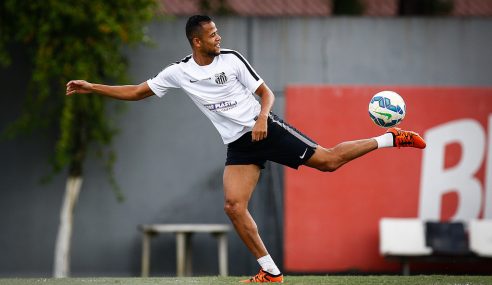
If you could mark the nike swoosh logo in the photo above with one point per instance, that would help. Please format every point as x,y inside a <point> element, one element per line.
<point>195,81</point>
<point>302,156</point>
<point>384,114</point>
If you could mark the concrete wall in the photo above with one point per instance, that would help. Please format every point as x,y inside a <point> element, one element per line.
<point>170,158</point>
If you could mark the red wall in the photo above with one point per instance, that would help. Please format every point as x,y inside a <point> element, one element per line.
<point>331,219</point>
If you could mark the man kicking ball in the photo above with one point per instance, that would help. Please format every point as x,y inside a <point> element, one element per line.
<point>221,83</point>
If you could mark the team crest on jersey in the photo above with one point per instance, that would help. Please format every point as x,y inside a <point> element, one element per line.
<point>220,78</point>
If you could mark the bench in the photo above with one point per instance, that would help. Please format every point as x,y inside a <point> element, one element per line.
<point>409,239</point>
<point>183,233</point>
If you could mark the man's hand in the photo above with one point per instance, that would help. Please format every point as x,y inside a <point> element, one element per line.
<point>260,128</point>
<point>78,86</point>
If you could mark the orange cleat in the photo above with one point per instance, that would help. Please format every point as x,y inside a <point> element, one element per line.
<point>402,138</point>
<point>265,277</point>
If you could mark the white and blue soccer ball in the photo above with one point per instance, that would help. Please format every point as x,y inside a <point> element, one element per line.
<point>387,109</point>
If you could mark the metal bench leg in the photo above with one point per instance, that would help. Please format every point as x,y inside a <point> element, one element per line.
<point>222,245</point>
<point>183,254</point>
<point>405,264</point>
<point>145,254</point>
<point>180,254</point>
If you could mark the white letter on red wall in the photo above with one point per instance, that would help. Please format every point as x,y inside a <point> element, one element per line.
<point>437,181</point>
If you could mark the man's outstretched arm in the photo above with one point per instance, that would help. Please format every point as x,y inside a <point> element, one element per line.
<point>124,92</point>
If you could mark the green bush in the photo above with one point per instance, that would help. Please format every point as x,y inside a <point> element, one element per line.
<point>71,40</point>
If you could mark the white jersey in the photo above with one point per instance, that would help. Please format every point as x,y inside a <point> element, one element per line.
<point>222,90</point>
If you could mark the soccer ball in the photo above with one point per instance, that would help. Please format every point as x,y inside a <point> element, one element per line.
<point>387,109</point>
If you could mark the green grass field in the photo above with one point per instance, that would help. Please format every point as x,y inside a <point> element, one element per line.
<point>330,280</point>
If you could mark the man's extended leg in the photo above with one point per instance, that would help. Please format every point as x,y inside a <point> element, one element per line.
<point>330,159</point>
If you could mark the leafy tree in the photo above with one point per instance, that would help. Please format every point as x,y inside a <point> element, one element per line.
<point>70,40</point>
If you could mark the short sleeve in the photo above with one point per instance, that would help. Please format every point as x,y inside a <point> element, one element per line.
<point>246,74</point>
<point>166,79</point>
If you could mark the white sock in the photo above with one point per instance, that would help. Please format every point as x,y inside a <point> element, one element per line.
<point>385,140</point>
<point>267,264</point>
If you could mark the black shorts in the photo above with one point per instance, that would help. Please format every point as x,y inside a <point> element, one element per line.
<point>283,144</point>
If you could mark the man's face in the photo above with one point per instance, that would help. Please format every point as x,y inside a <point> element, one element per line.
<point>210,39</point>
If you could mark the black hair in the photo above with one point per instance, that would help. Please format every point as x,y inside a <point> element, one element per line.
<point>193,26</point>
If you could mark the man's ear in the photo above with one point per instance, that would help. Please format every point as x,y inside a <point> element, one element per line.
<point>196,42</point>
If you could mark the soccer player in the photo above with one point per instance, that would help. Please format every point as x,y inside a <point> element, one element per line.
<point>221,83</point>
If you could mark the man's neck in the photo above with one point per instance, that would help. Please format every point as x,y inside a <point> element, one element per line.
<point>202,59</point>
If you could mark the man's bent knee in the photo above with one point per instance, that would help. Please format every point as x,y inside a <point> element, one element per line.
<point>327,167</point>
<point>324,160</point>
<point>233,209</point>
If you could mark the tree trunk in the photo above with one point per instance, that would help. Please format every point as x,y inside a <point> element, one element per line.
<point>63,239</point>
